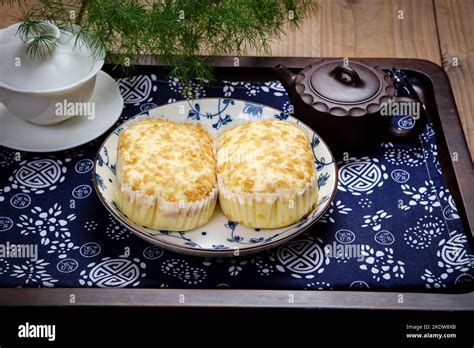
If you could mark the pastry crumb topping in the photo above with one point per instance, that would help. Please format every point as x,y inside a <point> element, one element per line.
<point>174,160</point>
<point>264,156</point>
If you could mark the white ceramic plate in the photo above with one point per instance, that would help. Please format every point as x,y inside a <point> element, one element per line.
<point>24,136</point>
<point>219,237</point>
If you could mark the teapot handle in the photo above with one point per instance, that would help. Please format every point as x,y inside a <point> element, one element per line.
<point>419,122</point>
<point>341,72</point>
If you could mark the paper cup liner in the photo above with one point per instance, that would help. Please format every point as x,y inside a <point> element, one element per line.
<point>154,211</point>
<point>268,210</point>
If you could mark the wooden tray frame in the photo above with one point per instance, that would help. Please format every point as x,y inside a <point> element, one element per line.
<point>458,174</point>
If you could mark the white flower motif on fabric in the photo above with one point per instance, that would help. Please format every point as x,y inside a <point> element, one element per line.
<point>426,229</point>
<point>228,90</point>
<point>38,176</point>
<point>90,225</point>
<point>210,261</point>
<point>433,281</point>
<point>362,175</point>
<point>3,191</point>
<point>288,108</point>
<point>252,90</point>
<point>450,214</point>
<point>48,224</point>
<point>334,208</point>
<point>426,196</point>
<point>236,266</point>
<point>273,87</point>
<point>450,211</point>
<point>181,270</point>
<point>452,252</point>
<point>113,273</point>
<point>115,230</point>
<point>412,157</point>
<point>428,133</point>
<point>365,202</point>
<point>432,152</point>
<point>196,89</point>
<point>62,247</point>
<point>7,158</point>
<point>386,145</point>
<point>375,221</point>
<point>4,266</point>
<point>264,268</point>
<point>382,264</point>
<point>34,273</point>
<point>318,286</point>
<point>303,258</point>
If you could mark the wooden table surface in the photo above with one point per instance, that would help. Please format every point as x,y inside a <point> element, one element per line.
<point>441,31</point>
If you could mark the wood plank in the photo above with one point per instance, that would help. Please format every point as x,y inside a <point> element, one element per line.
<point>237,299</point>
<point>368,28</point>
<point>376,28</point>
<point>8,15</point>
<point>456,29</point>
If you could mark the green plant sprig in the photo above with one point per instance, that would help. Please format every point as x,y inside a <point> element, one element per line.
<point>41,46</point>
<point>177,32</point>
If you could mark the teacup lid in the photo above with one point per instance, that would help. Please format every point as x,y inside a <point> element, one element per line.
<point>352,89</point>
<point>65,66</point>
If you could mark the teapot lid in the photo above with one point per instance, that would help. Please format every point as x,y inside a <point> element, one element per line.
<point>352,89</point>
<point>67,64</point>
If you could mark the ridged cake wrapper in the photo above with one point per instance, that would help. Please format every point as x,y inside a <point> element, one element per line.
<point>154,211</point>
<point>268,210</point>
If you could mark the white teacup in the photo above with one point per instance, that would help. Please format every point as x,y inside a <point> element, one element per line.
<point>38,90</point>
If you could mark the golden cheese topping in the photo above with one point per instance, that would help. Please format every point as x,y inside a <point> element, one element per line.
<point>173,160</point>
<point>264,156</point>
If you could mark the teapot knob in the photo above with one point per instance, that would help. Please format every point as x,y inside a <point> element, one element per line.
<point>346,75</point>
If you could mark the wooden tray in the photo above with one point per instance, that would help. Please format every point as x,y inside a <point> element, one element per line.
<point>432,84</point>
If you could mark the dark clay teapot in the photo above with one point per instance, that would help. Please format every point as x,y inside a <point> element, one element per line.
<point>348,105</point>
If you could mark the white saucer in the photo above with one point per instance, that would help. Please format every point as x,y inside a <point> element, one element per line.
<point>24,136</point>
